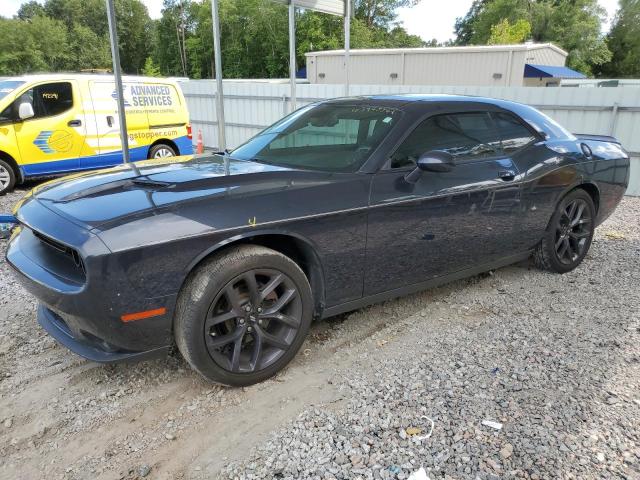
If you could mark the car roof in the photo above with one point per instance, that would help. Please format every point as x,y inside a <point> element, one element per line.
<point>536,119</point>
<point>400,99</point>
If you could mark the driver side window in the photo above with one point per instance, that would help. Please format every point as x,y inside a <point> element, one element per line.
<point>466,136</point>
<point>47,100</point>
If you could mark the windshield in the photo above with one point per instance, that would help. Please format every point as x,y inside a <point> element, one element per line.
<point>8,86</point>
<point>325,137</point>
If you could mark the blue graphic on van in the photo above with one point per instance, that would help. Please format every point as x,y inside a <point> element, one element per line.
<point>42,141</point>
<point>115,97</point>
<point>50,141</point>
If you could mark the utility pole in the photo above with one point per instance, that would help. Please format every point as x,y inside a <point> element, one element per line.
<point>292,52</point>
<point>115,57</point>
<point>217,53</point>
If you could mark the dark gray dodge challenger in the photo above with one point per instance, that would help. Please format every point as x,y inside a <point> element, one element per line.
<point>341,204</point>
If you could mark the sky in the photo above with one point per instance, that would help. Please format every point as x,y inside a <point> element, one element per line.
<point>435,18</point>
<point>429,19</point>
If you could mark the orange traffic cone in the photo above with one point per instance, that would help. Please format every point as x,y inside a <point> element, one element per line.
<point>199,144</point>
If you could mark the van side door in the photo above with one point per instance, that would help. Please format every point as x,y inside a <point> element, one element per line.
<point>106,136</point>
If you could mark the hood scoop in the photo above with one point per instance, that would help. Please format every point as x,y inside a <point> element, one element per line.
<point>147,182</point>
<point>137,183</point>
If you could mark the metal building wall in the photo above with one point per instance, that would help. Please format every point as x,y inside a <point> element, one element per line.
<point>364,69</point>
<point>480,66</point>
<point>545,56</point>
<point>251,106</point>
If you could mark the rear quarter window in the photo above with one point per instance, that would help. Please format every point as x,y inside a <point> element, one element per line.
<point>513,133</point>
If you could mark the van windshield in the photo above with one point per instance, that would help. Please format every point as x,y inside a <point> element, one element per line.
<point>8,86</point>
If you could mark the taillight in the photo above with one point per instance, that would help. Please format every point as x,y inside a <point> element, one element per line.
<point>189,134</point>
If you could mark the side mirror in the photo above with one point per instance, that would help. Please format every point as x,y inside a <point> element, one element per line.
<point>436,161</point>
<point>433,161</point>
<point>25,111</point>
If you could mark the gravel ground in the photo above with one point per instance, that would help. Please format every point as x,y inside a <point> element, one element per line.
<point>553,361</point>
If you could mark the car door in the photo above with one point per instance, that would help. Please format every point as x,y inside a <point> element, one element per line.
<point>445,221</point>
<point>52,140</point>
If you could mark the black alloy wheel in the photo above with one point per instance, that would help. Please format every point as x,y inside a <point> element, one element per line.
<point>253,320</point>
<point>573,230</point>
<point>243,314</point>
<point>569,233</point>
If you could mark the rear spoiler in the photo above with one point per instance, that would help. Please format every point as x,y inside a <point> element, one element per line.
<point>597,138</point>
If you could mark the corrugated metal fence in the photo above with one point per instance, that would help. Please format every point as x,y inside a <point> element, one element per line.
<point>251,106</point>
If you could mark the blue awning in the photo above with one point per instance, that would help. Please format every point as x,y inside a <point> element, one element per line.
<point>546,71</point>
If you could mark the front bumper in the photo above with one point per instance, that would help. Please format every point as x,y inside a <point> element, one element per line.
<point>92,349</point>
<point>83,302</point>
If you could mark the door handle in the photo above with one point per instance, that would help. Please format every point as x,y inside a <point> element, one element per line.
<point>507,175</point>
<point>110,120</point>
<point>74,123</point>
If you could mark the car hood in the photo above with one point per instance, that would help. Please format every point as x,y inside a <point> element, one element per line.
<point>93,199</point>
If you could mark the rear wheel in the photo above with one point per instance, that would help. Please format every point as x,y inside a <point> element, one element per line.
<point>569,234</point>
<point>162,150</point>
<point>243,315</point>
<point>7,177</point>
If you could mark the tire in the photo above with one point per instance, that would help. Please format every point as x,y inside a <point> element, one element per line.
<point>162,150</point>
<point>7,177</point>
<point>233,335</point>
<point>569,233</point>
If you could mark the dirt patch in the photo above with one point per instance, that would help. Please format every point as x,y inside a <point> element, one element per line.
<point>64,417</point>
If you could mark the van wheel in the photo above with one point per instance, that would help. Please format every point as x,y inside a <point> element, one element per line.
<point>7,177</point>
<point>162,150</point>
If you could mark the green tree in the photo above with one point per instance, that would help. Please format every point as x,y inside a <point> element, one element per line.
<point>573,25</point>
<point>19,52</point>
<point>134,26</point>
<point>37,45</point>
<point>150,69</point>
<point>624,42</point>
<point>134,32</point>
<point>380,13</point>
<point>73,35</point>
<point>255,36</point>
<point>88,13</point>
<point>87,49</point>
<point>50,36</point>
<point>503,33</point>
<point>29,10</point>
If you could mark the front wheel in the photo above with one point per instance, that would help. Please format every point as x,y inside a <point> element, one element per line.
<point>7,177</point>
<point>569,234</point>
<point>243,315</point>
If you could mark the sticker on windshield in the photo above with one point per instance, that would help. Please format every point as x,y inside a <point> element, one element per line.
<point>374,109</point>
<point>386,119</point>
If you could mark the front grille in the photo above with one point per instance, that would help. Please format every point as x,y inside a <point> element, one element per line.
<point>61,248</point>
<point>54,256</point>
